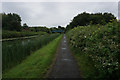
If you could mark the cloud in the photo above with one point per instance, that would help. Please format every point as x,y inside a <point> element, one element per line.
<point>119,10</point>
<point>60,0</point>
<point>55,13</point>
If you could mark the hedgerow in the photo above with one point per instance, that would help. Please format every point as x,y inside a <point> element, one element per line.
<point>101,44</point>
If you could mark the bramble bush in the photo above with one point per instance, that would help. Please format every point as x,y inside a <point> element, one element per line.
<point>101,44</point>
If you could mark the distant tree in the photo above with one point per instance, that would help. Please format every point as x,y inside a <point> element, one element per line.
<point>53,28</point>
<point>11,21</point>
<point>39,28</point>
<point>62,28</point>
<point>59,27</point>
<point>87,19</point>
<point>25,25</point>
<point>108,17</point>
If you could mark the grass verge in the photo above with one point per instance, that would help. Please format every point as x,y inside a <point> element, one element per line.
<point>36,65</point>
<point>85,64</point>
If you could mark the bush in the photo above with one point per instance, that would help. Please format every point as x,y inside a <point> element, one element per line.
<point>101,44</point>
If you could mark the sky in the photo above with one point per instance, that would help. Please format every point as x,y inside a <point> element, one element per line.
<point>55,13</point>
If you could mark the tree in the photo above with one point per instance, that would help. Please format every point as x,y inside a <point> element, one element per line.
<point>59,27</point>
<point>84,19</point>
<point>11,22</point>
<point>25,25</point>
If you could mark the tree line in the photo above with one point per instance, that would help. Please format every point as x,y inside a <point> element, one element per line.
<point>84,19</point>
<point>12,22</point>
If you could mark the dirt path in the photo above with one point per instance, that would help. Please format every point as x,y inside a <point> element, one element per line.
<point>65,66</point>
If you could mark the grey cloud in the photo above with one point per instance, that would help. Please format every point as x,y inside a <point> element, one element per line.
<point>119,10</point>
<point>55,13</point>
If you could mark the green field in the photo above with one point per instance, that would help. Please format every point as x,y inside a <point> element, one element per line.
<point>96,49</point>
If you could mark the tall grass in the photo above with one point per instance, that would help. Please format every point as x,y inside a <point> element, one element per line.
<point>36,65</point>
<point>15,51</point>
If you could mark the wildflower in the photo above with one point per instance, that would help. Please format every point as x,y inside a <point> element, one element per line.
<point>85,49</point>
<point>98,28</point>
<point>117,63</point>
<point>109,64</point>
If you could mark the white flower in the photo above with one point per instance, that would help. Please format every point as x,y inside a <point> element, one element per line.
<point>109,64</point>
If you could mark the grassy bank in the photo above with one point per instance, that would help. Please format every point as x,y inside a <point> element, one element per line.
<point>36,65</point>
<point>16,51</point>
<point>15,34</point>
<point>86,65</point>
<point>96,49</point>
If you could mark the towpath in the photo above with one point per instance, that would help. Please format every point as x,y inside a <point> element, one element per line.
<point>65,65</point>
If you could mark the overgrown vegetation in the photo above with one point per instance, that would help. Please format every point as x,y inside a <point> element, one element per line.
<point>36,65</point>
<point>16,51</point>
<point>96,49</point>
<point>84,19</point>
<point>16,34</point>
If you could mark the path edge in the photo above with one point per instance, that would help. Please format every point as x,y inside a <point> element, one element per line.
<point>72,53</point>
<point>53,61</point>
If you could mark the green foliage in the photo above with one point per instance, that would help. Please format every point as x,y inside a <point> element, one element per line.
<point>43,29</point>
<point>57,30</point>
<point>36,65</point>
<point>15,51</point>
<point>53,28</point>
<point>11,22</point>
<point>16,34</point>
<point>101,45</point>
<point>25,25</point>
<point>86,65</point>
<point>84,19</point>
<point>61,28</point>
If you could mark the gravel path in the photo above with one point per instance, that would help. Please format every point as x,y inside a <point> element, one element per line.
<point>65,66</point>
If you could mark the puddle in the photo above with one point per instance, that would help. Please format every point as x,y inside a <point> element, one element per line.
<point>64,48</point>
<point>66,59</point>
<point>64,41</point>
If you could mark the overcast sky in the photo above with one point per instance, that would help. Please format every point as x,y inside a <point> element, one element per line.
<point>52,14</point>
